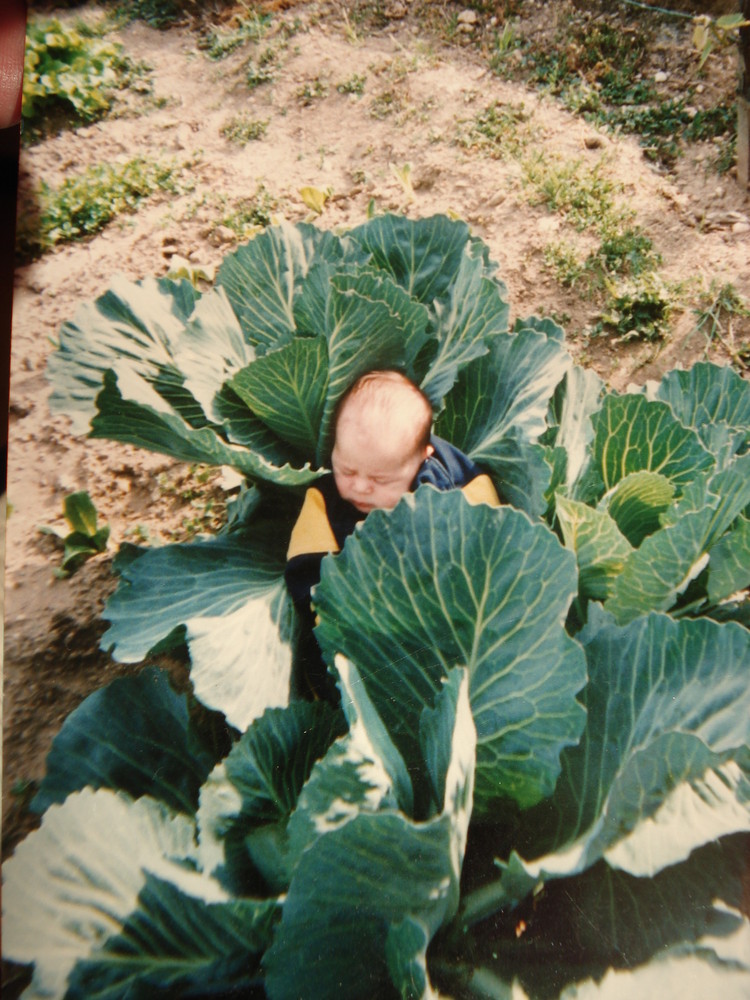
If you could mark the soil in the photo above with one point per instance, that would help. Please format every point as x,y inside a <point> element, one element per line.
<point>425,77</point>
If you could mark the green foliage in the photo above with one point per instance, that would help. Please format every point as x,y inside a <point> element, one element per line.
<point>85,203</point>
<point>242,129</point>
<point>260,70</point>
<point>596,70</point>
<point>218,44</point>
<point>508,740</point>
<point>662,125</point>
<point>69,71</point>
<point>584,195</point>
<point>498,130</point>
<point>247,216</point>
<point>158,13</point>
<point>355,84</point>
<point>639,308</point>
<point>85,538</point>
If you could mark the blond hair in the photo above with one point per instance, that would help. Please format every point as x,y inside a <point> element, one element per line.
<point>387,394</point>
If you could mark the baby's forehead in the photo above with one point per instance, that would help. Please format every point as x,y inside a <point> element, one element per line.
<point>393,432</point>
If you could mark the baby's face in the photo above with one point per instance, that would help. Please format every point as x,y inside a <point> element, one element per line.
<point>373,468</point>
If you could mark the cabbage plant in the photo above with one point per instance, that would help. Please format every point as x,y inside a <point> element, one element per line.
<point>537,781</point>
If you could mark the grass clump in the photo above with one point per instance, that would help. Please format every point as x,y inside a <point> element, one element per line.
<point>157,13</point>
<point>583,195</point>
<point>498,130</point>
<point>219,44</point>
<point>85,203</point>
<point>242,129</point>
<point>247,216</point>
<point>640,308</point>
<point>260,70</point>
<point>70,75</point>
<point>715,310</point>
<point>355,84</point>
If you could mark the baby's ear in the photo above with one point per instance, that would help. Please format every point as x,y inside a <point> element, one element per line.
<point>429,450</point>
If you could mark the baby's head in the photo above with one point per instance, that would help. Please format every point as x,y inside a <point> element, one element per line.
<point>382,435</point>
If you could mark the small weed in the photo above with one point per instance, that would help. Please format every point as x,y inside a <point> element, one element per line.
<point>626,252</point>
<point>198,489</point>
<point>260,70</point>
<point>71,76</point>
<point>505,43</point>
<point>84,203</point>
<point>312,90</point>
<point>498,130</point>
<point>83,538</point>
<point>564,260</point>
<point>386,103</point>
<point>249,215</point>
<point>639,309</point>
<point>139,534</point>
<point>582,194</point>
<point>727,155</point>
<point>714,312</point>
<point>157,13</point>
<point>219,44</point>
<point>243,129</point>
<point>354,85</point>
<point>712,122</point>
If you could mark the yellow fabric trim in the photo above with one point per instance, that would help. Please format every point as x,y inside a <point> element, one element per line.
<point>312,532</point>
<point>481,490</point>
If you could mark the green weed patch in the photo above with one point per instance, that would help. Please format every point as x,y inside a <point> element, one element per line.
<point>85,203</point>
<point>242,129</point>
<point>218,44</point>
<point>70,74</point>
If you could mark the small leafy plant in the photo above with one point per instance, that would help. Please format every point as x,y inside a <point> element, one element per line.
<point>69,71</point>
<point>260,69</point>
<point>249,215</point>
<point>85,203</point>
<point>85,538</point>
<point>545,717</point>
<point>714,313</point>
<point>355,84</point>
<point>498,130</point>
<point>242,129</point>
<point>219,44</point>
<point>639,308</point>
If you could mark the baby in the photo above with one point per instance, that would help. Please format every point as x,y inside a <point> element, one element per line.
<point>383,448</point>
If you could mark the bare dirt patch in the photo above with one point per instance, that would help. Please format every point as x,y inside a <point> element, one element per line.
<point>349,102</point>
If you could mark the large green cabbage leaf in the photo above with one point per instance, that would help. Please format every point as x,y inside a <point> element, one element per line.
<point>379,883</point>
<point>655,516</point>
<point>228,594</point>
<point>437,583</point>
<point>134,735</point>
<point>666,702</point>
<point>71,885</point>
